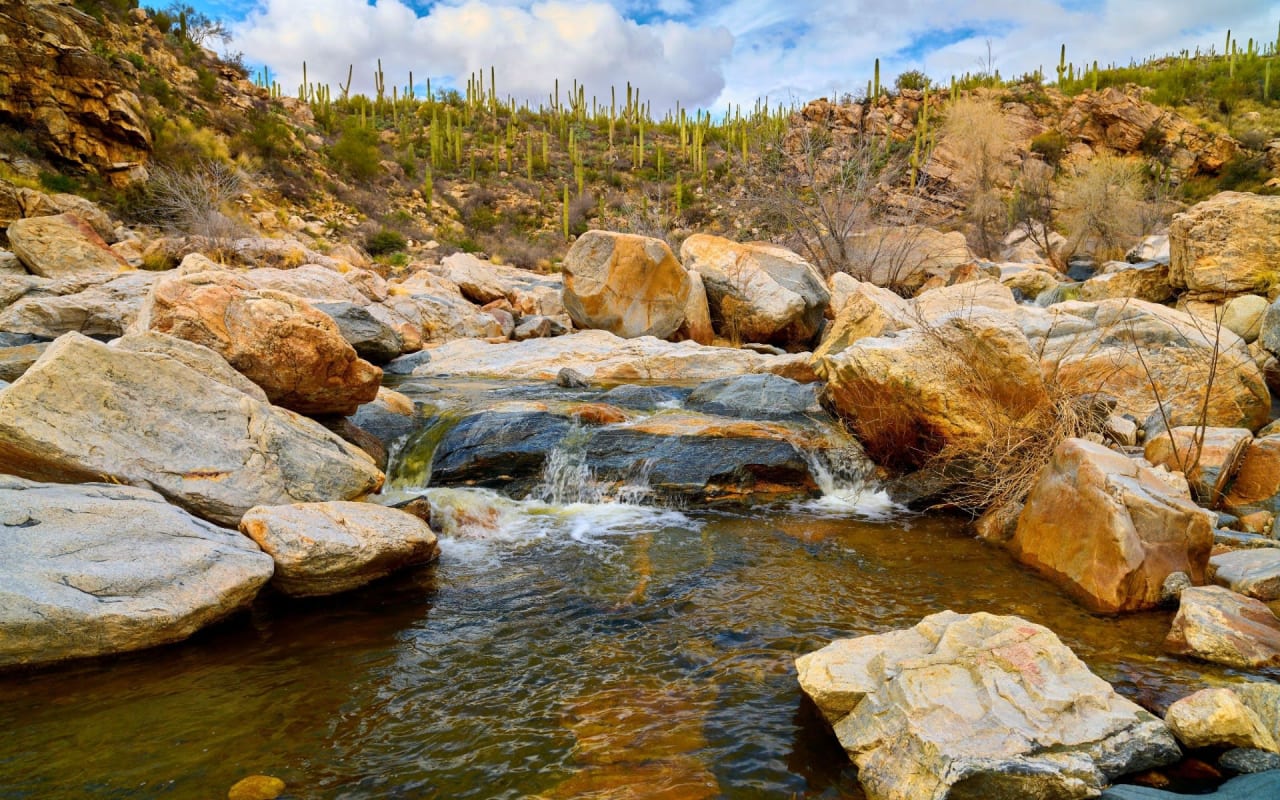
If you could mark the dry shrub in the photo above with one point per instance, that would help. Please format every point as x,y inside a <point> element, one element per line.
<point>979,139</point>
<point>1103,207</point>
<point>197,202</point>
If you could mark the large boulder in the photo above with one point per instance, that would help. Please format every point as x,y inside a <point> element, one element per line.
<point>173,417</point>
<point>864,311</point>
<point>374,338</point>
<point>1110,530</point>
<point>906,257</point>
<point>326,548</point>
<point>1251,572</point>
<point>1228,244</point>
<point>1218,625</point>
<point>1146,355</point>
<point>283,344</point>
<point>981,706</point>
<point>94,569</point>
<point>626,284</point>
<point>1148,281</point>
<point>62,246</point>
<point>100,305</point>
<point>758,292</point>
<point>503,446</point>
<point>598,356</point>
<point>952,385</point>
<point>482,282</point>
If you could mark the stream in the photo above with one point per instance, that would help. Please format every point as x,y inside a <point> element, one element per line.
<point>567,645</point>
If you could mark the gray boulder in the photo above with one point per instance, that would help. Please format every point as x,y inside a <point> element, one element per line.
<point>761,396</point>
<point>1244,787</point>
<point>373,338</point>
<point>88,411</point>
<point>92,569</point>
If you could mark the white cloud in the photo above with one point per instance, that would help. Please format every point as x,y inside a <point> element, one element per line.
<point>529,45</point>
<point>713,54</point>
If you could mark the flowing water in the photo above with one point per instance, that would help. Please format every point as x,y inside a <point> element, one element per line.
<point>562,647</point>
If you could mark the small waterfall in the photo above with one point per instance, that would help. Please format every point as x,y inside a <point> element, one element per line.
<point>567,478</point>
<point>845,477</point>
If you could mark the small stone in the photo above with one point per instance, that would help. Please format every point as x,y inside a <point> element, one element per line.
<point>568,378</point>
<point>1247,760</point>
<point>1172,588</point>
<point>256,787</point>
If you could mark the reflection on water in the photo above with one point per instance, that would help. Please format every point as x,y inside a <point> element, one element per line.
<point>590,651</point>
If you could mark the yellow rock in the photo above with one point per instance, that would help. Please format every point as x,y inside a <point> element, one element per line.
<point>256,787</point>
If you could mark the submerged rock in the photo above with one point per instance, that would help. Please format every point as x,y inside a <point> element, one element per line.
<point>1109,530</point>
<point>978,705</point>
<point>326,548</point>
<point>178,423</point>
<point>87,570</point>
<point>1244,787</point>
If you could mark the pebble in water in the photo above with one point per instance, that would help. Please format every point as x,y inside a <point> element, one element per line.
<point>256,787</point>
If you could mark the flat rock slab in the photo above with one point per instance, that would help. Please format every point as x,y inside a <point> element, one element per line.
<point>87,570</point>
<point>1218,625</point>
<point>756,397</point>
<point>325,548</point>
<point>55,246</point>
<point>174,417</point>
<point>980,706</point>
<point>1261,786</point>
<point>1255,573</point>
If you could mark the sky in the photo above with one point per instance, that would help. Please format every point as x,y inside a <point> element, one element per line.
<point>713,54</point>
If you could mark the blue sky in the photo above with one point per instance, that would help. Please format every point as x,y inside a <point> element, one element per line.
<point>712,54</point>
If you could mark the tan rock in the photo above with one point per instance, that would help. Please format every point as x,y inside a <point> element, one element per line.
<point>1257,482</point>
<point>627,285</point>
<point>326,548</point>
<point>1218,625</point>
<point>697,313</point>
<point>1209,457</point>
<point>866,311</point>
<point>96,569</point>
<point>1148,282</point>
<point>61,246</point>
<point>906,257</point>
<point>601,357</point>
<point>758,292</point>
<point>1253,573</point>
<point>101,305</point>
<point>978,705</point>
<point>1227,244</point>
<point>1031,281</point>
<point>1109,530</point>
<point>950,386</point>
<point>180,425</point>
<point>1094,347</point>
<point>294,352</point>
<point>1218,718</point>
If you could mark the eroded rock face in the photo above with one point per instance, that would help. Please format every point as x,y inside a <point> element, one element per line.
<point>978,705</point>
<point>1109,530</point>
<point>1257,483</point>
<point>1218,625</point>
<point>88,411</point>
<point>326,548</point>
<point>62,246</point>
<point>1228,244</point>
<point>87,570</point>
<point>1209,457</point>
<point>278,340</point>
<point>62,93</point>
<point>628,285</point>
<point>910,395</point>
<point>758,292</point>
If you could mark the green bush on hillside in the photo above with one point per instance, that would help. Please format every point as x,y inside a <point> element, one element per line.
<point>356,151</point>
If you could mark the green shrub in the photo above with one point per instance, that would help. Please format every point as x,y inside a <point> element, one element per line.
<point>1051,146</point>
<point>59,183</point>
<point>206,83</point>
<point>1247,172</point>
<point>384,242</point>
<point>356,151</point>
<point>912,79</point>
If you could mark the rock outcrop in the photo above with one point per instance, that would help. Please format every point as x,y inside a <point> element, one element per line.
<point>978,705</point>
<point>177,422</point>
<point>278,340</point>
<point>88,570</point>
<point>1109,530</point>
<point>326,548</point>
<point>1228,244</point>
<point>758,292</point>
<point>625,284</point>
